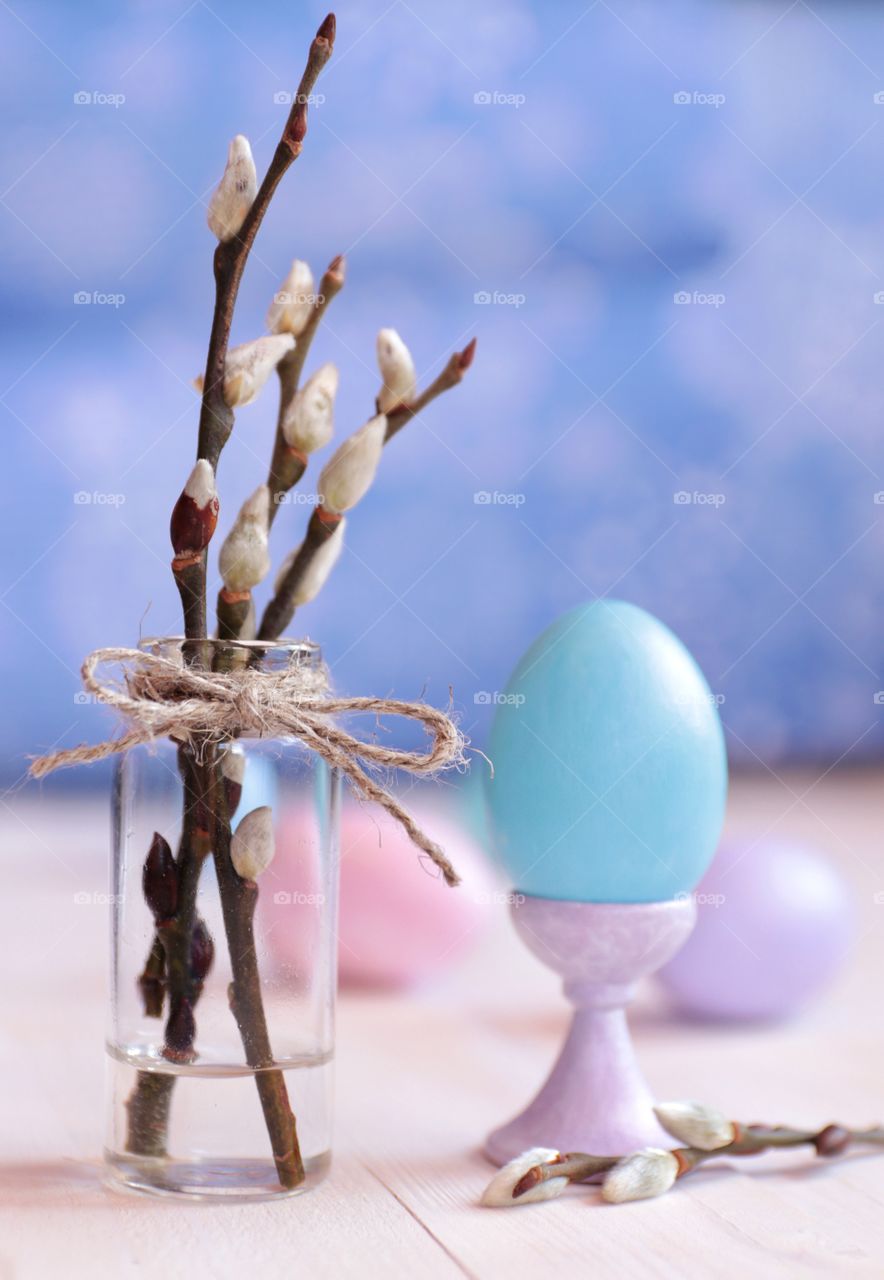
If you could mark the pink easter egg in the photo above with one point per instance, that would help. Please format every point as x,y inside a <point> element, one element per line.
<point>775,920</point>
<point>399,922</point>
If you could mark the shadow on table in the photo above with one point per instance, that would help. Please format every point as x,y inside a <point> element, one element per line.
<point>43,1184</point>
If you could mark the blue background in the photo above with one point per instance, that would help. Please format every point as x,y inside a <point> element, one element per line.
<point>583,197</point>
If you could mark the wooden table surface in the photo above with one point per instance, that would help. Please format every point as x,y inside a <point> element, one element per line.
<point>421,1078</point>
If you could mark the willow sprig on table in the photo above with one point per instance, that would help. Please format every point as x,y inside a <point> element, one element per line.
<point>544,1173</point>
<point>181,954</point>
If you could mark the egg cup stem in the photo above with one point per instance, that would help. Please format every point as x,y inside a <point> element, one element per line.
<point>595,1098</point>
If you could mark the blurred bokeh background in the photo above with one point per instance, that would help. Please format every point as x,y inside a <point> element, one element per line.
<point>663,221</point>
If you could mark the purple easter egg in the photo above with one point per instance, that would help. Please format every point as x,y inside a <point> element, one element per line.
<point>775,920</point>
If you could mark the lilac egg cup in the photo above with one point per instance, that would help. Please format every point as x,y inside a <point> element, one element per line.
<point>595,1099</point>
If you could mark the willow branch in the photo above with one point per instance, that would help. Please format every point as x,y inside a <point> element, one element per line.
<point>216,416</point>
<point>281,609</point>
<point>287,464</point>
<point>235,611</point>
<point>238,900</point>
<point>752,1140</point>
<point>215,425</point>
<point>749,1140</point>
<point>450,376</point>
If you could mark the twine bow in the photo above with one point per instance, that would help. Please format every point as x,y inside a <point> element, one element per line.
<point>161,698</point>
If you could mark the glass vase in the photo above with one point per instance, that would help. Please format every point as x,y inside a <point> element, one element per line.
<point>220,1045</point>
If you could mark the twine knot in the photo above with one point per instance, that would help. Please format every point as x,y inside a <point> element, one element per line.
<point>159,697</point>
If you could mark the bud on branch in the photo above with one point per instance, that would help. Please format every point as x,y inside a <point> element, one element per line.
<point>248,367</point>
<point>397,371</point>
<point>235,193</point>
<point>644,1174</point>
<point>195,514</point>
<point>244,559</point>
<point>348,475</point>
<point>696,1125</point>
<point>502,1189</point>
<point>252,847</point>
<point>308,422</point>
<point>159,879</point>
<point>293,302</point>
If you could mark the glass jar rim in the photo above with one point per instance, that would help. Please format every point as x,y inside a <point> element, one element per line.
<point>286,646</point>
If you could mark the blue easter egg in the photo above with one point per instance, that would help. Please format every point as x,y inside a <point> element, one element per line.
<point>610,773</point>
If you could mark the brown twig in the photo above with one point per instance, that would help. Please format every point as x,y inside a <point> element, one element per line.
<point>233,610</point>
<point>152,984</point>
<point>189,573</point>
<point>575,1166</point>
<point>238,900</point>
<point>148,1104</point>
<point>281,609</point>
<point>184,985</point>
<point>754,1140</point>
